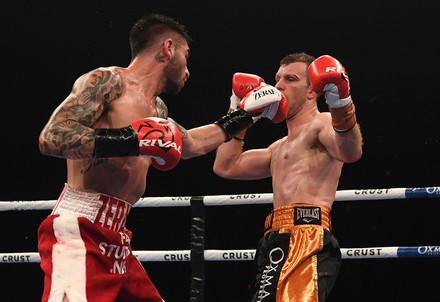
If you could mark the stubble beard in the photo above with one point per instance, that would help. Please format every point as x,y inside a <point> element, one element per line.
<point>173,77</point>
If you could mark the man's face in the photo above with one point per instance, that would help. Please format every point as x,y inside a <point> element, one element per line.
<point>291,80</point>
<point>176,72</point>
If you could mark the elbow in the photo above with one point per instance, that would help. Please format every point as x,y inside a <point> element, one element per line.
<point>219,170</point>
<point>46,146</point>
<point>353,157</point>
<point>42,145</point>
<point>191,151</point>
<point>226,171</point>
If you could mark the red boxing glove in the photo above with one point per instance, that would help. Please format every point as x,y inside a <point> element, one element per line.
<point>160,139</point>
<point>265,101</point>
<point>328,76</point>
<point>242,84</point>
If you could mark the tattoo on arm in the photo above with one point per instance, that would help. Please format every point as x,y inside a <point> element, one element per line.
<point>69,128</point>
<point>182,130</point>
<point>162,111</point>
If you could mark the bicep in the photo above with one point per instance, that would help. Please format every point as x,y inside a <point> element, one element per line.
<point>70,126</point>
<point>249,165</point>
<point>255,164</point>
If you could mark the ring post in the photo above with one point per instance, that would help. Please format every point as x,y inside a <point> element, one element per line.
<point>197,245</point>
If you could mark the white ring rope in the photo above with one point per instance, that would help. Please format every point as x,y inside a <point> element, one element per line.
<point>247,255</point>
<point>242,199</point>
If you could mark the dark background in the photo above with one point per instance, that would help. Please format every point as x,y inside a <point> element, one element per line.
<point>389,49</point>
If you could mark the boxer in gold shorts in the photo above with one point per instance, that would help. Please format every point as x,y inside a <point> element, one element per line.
<point>298,258</point>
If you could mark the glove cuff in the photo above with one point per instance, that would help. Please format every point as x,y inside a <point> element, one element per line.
<point>234,122</point>
<point>343,118</point>
<point>234,101</point>
<point>336,102</point>
<point>115,142</point>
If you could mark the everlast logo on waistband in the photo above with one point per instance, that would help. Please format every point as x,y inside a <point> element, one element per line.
<point>307,215</point>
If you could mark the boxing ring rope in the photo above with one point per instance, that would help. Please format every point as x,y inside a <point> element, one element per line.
<point>248,254</point>
<point>245,199</point>
<point>198,254</point>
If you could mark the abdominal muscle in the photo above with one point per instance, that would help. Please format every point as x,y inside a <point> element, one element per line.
<point>120,177</point>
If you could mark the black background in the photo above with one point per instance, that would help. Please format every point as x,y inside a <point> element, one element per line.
<point>389,49</point>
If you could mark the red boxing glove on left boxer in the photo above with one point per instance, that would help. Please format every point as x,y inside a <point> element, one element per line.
<point>152,137</point>
<point>327,76</point>
<point>159,139</point>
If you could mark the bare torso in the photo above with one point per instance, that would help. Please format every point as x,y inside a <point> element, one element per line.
<point>302,169</point>
<point>121,177</point>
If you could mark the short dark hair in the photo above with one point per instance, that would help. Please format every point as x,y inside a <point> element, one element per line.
<point>297,57</point>
<point>149,28</point>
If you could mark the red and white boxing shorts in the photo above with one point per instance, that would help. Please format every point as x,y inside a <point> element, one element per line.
<point>86,253</point>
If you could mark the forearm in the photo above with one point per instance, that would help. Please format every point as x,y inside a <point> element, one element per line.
<point>73,143</point>
<point>202,140</point>
<point>227,158</point>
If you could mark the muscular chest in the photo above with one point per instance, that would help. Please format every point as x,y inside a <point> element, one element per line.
<point>301,150</point>
<point>126,110</point>
<point>288,151</point>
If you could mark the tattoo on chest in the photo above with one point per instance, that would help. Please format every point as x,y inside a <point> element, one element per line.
<point>90,163</point>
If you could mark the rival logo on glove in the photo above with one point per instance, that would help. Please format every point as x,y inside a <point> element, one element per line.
<point>161,144</point>
<point>152,136</point>
<point>159,139</point>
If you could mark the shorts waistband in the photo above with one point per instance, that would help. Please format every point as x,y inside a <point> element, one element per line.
<point>107,211</point>
<point>295,215</point>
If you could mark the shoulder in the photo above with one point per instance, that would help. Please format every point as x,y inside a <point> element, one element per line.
<point>162,109</point>
<point>276,144</point>
<point>101,76</point>
<point>324,117</point>
<point>321,121</point>
<point>101,83</point>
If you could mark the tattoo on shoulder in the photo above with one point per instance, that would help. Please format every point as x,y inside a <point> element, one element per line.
<point>162,111</point>
<point>90,93</point>
<point>161,107</point>
<point>182,130</point>
<point>104,85</point>
<point>70,125</point>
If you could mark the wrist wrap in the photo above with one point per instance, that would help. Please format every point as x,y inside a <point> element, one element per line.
<point>116,142</point>
<point>343,118</point>
<point>234,122</point>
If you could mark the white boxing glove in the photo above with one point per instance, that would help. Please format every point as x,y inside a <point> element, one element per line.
<point>265,101</point>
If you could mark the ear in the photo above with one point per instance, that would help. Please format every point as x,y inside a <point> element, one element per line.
<point>168,49</point>
<point>311,94</point>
